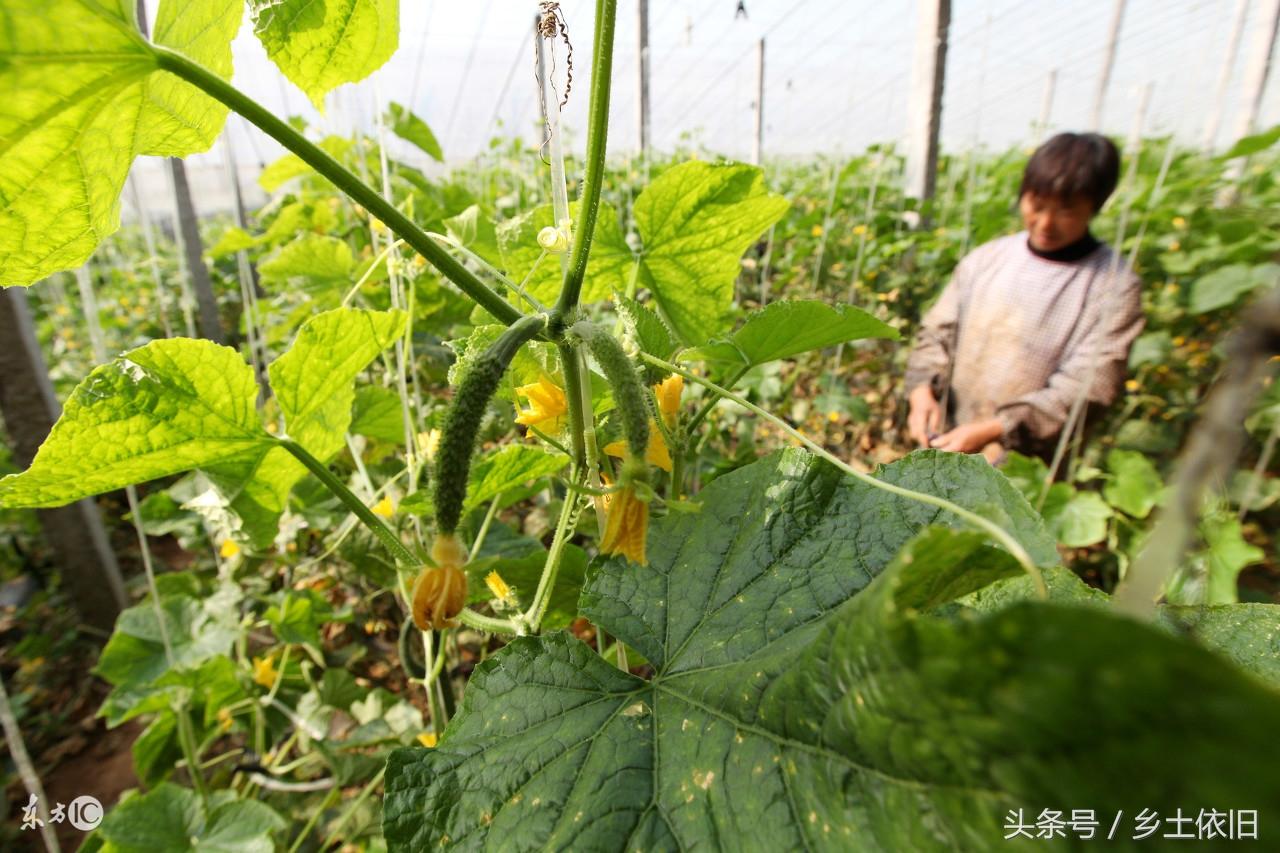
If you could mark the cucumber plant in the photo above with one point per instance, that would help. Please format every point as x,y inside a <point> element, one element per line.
<point>830,659</point>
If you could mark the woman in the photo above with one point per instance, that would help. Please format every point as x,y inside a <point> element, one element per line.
<point>1029,319</point>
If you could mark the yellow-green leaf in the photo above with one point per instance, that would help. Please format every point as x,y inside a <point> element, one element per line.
<point>321,44</point>
<point>83,98</point>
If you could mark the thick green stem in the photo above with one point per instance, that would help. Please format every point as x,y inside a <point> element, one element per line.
<point>342,178</point>
<point>993,530</point>
<point>564,530</point>
<point>573,380</point>
<point>399,551</point>
<point>597,137</point>
<point>187,741</point>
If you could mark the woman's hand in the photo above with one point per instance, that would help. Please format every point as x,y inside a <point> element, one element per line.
<point>969,438</point>
<point>925,415</point>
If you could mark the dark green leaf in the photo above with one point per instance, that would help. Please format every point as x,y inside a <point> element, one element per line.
<point>790,327</point>
<point>409,127</point>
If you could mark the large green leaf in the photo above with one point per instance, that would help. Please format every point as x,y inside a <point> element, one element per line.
<point>378,414</point>
<point>84,97</point>
<point>321,45</point>
<point>135,655</point>
<point>810,693</point>
<point>1135,484</point>
<point>170,819</point>
<point>310,263</point>
<point>167,407</point>
<point>611,258</point>
<point>790,327</point>
<point>1077,519</point>
<point>406,125</point>
<point>650,334</point>
<point>512,466</point>
<point>179,404</point>
<point>1248,634</point>
<point>695,221</point>
<point>1253,144</point>
<point>1225,285</point>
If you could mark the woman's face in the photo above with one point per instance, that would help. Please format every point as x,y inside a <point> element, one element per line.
<point>1052,222</point>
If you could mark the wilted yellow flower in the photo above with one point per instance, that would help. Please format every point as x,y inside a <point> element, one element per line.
<point>440,593</point>
<point>498,587</point>
<point>429,443</point>
<point>548,405</point>
<point>384,508</point>
<point>627,526</point>
<point>428,739</point>
<point>229,549</point>
<point>264,672</point>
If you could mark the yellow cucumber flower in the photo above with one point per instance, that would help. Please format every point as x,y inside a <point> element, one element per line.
<point>668,392</point>
<point>500,588</point>
<point>627,526</point>
<point>264,671</point>
<point>548,405</point>
<point>655,453</point>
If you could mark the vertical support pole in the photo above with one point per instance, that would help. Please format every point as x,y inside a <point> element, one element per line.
<point>1139,119</point>
<point>1258,68</point>
<point>1108,62</point>
<point>924,111</point>
<point>1224,76</point>
<point>1046,105</point>
<point>193,258</point>
<point>757,147</point>
<point>29,407</point>
<point>187,232</point>
<point>247,273</point>
<point>1251,90</point>
<point>643,99</point>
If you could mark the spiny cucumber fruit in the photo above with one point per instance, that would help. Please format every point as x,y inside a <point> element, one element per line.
<point>628,392</point>
<point>462,423</point>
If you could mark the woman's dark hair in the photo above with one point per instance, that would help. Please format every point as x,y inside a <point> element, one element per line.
<point>1073,165</point>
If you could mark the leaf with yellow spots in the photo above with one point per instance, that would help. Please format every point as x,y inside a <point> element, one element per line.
<point>825,669</point>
